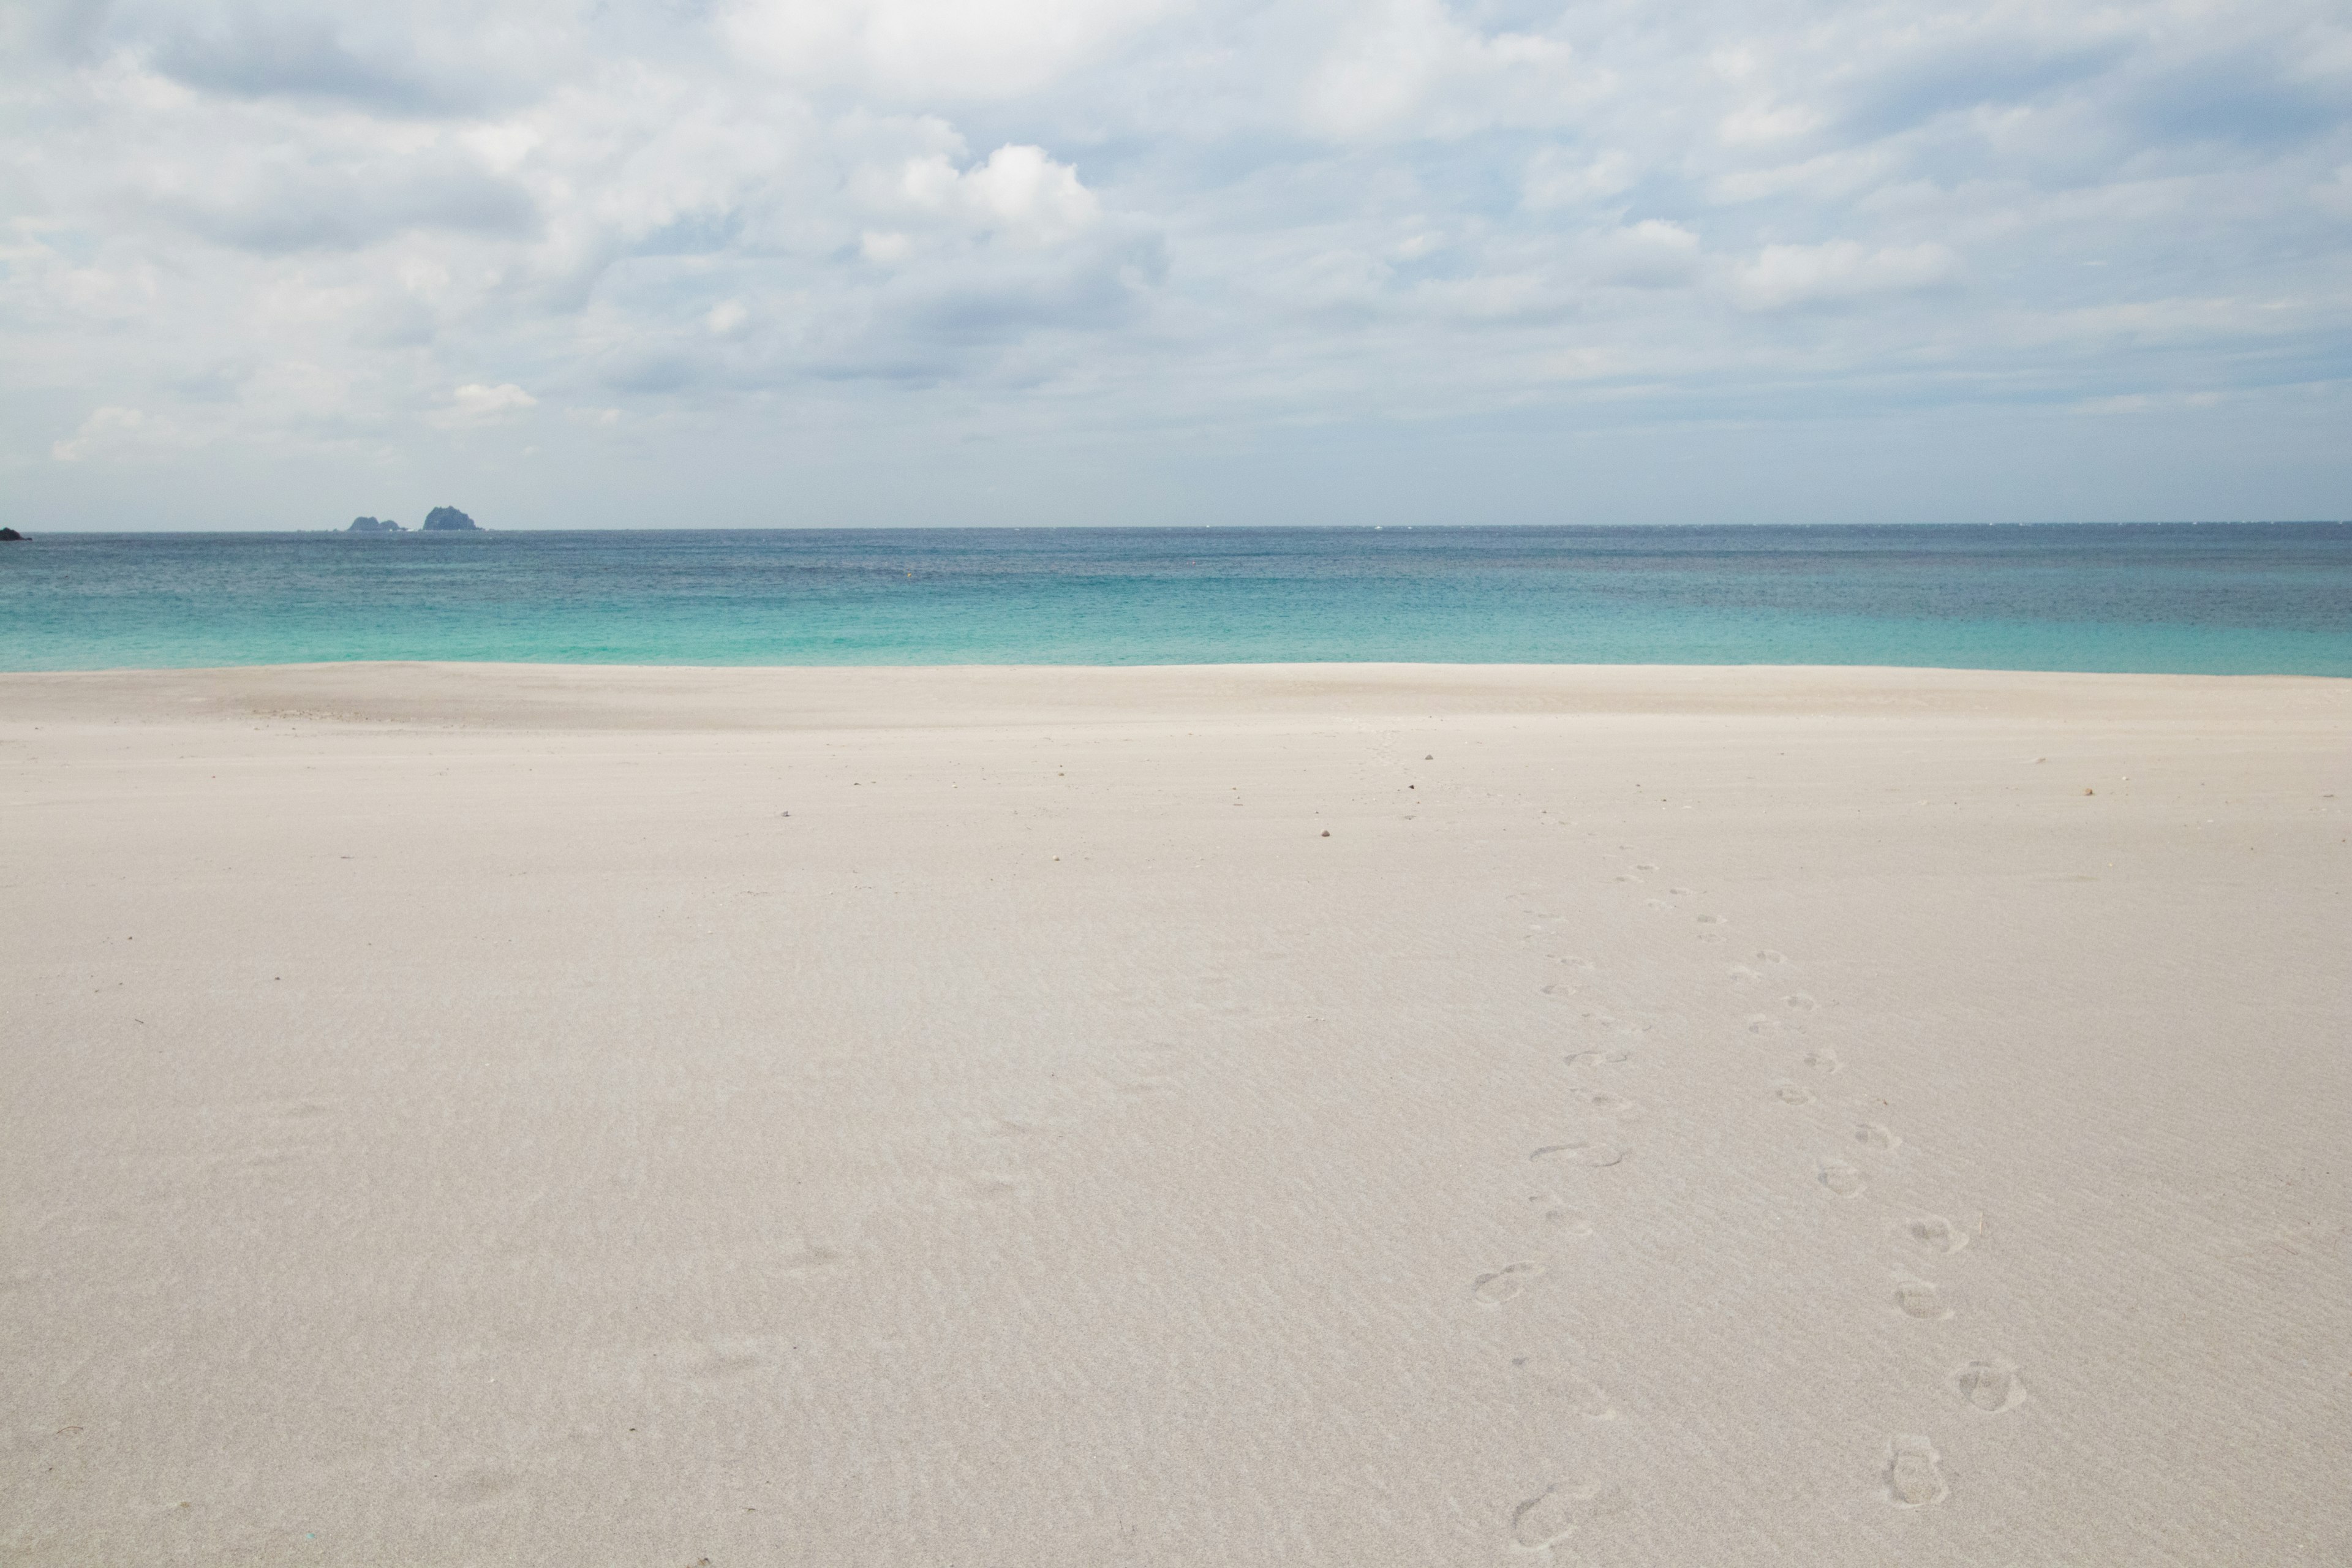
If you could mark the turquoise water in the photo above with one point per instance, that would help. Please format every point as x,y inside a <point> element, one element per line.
<point>2219,598</point>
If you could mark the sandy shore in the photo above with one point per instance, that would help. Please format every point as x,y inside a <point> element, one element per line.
<point>1303,1115</point>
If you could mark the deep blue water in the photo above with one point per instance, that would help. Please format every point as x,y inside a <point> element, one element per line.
<point>2185,598</point>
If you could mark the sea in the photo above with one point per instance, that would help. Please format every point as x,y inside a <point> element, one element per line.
<point>2212,598</point>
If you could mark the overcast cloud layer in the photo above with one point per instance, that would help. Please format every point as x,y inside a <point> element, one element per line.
<point>271,264</point>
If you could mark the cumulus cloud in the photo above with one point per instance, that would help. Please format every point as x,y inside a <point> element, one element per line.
<point>280,227</point>
<point>1019,192</point>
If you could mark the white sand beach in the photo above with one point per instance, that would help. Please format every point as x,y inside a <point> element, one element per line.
<point>1284,1115</point>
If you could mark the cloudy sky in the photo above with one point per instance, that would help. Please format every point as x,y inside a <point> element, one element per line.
<point>270,263</point>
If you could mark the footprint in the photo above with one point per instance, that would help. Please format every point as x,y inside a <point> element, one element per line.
<point>1762,1023</point>
<point>1710,920</point>
<point>1840,1178</point>
<point>1912,1479</point>
<point>1597,1059</point>
<point>1870,1135</point>
<point>1644,866</point>
<point>1820,1058</point>
<point>1557,1378</point>
<point>1550,1516</point>
<point>1920,1300</point>
<point>1789,1094</point>
<point>1801,1002</point>
<point>1934,1230</point>
<point>1597,1155</point>
<point>1989,1386</point>
<point>1603,1103</point>
<point>1503,1284</point>
<point>1562,991</point>
<point>1741,974</point>
<point>1562,1217</point>
<point>1771,955</point>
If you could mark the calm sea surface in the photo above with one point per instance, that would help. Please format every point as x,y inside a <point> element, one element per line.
<point>2161,597</point>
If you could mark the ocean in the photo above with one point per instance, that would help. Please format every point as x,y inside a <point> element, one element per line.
<point>2183,598</point>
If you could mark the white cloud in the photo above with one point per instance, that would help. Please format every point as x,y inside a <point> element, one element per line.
<point>1765,123</point>
<point>475,404</point>
<point>1019,192</point>
<point>106,433</point>
<point>1783,275</point>
<point>1651,254</point>
<point>1733,62</point>
<point>956,50</point>
<point>1024,192</point>
<point>278,227</point>
<point>1557,177</point>
<point>1410,65</point>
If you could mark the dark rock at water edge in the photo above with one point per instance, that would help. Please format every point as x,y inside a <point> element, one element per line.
<point>442,519</point>
<point>9,536</point>
<point>374,525</point>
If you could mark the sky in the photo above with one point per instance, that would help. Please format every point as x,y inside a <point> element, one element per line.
<point>782,263</point>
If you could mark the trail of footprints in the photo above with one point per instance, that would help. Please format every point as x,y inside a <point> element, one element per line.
<point>1557,1512</point>
<point>1912,1472</point>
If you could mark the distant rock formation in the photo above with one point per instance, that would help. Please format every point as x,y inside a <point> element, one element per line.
<point>9,535</point>
<point>443,518</point>
<point>374,525</point>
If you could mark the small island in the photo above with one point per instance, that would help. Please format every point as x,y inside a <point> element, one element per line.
<point>10,536</point>
<point>443,518</point>
<point>374,525</point>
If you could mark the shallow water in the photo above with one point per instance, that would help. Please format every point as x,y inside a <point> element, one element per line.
<point>2185,598</point>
